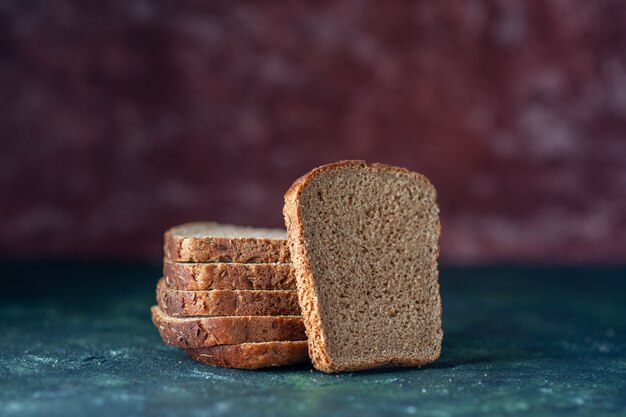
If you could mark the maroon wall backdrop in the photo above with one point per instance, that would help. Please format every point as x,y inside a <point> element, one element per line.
<point>120,118</point>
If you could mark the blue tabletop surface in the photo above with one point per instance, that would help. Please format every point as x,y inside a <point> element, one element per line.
<point>76,340</point>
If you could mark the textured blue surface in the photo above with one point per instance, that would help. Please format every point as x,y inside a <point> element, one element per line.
<point>76,340</point>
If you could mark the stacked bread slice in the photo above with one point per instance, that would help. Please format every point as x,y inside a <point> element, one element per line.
<point>228,296</point>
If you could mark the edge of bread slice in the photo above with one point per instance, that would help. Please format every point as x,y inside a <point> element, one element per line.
<point>182,303</point>
<point>214,242</point>
<point>367,299</point>
<point>229,276</point>
<point>198,332</point>
<point>252,355</point>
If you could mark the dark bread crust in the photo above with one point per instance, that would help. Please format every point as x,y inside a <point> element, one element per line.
<point>229,276</point>
<point>199,332</point>
<point>252,355</point>
<point>180,248</point>
<point>181,303</point>
<point>308,291</point>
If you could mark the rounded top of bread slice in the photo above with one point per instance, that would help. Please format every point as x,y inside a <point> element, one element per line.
<point>364,243</point>
<point>212,229</point>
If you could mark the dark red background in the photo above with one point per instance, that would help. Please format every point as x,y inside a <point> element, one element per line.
<point>121,118</point>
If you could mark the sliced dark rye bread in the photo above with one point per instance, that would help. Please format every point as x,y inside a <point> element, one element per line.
<point>181,303</point>
<point>213,242</point>
<point>364,243</point>
<point>252,355</point>
<point>199,332</point>
<point>229,276</point>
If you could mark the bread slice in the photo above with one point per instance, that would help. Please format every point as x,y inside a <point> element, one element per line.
<point>252,355</point>
<point>180,303</point>
<point>229,276</point>
<point>213,242</point>
<point>197,332</point>
<point>364,243</point>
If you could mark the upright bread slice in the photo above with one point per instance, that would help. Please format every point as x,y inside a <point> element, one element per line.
<point>364,243</point>
<point>198,332</point>
<point>229,276</point>
<point>181,303</point>
<point>213,242</point>
<point>252,355</point>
